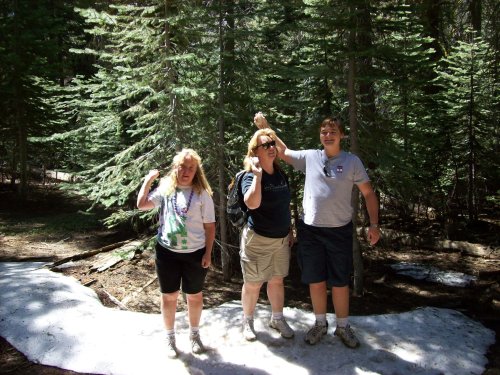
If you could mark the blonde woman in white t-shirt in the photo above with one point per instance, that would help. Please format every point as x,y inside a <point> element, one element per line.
<point>185,239</point>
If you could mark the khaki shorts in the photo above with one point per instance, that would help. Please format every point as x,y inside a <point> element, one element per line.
<point>262,258</point>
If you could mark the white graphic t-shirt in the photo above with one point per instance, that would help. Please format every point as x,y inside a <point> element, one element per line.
<point>182,215</point>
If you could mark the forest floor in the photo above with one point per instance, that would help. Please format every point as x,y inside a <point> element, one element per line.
<point>53,226</point>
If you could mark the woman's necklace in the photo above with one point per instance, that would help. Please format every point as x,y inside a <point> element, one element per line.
<point>182,212</point>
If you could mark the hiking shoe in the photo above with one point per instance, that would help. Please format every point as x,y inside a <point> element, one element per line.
<point>248,330</point>
<point>282,327</point>
<point>171,348</point>
<point>315,333</point>
<point>196,344</point>
<point>347,336</point>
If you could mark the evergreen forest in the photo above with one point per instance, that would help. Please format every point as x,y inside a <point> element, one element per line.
<point>107,90</point>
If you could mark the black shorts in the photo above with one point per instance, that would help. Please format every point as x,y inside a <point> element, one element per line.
<point>325,254</point>
<point>174,269</point>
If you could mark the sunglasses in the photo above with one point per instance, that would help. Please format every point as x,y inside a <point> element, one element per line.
<point>267,145</point>
<point>326,168</point>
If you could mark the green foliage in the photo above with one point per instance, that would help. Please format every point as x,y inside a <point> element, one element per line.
<point>148,78</point>
<point>34,64</point>
<point>56,225</point>
<point>469,101</point>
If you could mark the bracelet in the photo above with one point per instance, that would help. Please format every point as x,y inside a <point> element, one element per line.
<point>374,226</point>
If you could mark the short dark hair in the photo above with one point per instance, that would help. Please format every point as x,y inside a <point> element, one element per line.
<point>331,122</point>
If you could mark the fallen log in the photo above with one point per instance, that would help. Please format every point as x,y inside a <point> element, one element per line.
<point>89,254</point>
<point>115,300</point>
<point>107,260</point>
<point>131,296</point>
<point>406,239</point>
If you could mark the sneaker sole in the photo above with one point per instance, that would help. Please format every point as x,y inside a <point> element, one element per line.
<point>314,343</point>
<point>172,355</point>
<point>250,339</point>
<point>201,351</point>
<point>357,345</point>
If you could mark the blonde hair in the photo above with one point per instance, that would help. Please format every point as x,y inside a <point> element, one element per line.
<point>169,183</point>
<point>252,147</point>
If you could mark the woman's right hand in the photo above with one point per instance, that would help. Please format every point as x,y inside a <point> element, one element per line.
<point>260,121</point>
<point>256,168</point>
<point>152,175</point>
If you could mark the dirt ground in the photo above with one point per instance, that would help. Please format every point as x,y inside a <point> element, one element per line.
<point>131,284</point>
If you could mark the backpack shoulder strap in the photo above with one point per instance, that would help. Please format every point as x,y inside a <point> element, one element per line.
<point>238,181</point>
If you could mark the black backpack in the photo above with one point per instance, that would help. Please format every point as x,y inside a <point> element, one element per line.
<point>236,208</point>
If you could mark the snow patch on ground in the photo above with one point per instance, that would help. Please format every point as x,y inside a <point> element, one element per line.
<point>433,274</point>
<point>56,321</point>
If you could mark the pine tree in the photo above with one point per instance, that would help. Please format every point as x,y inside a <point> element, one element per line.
<point>469,99</point>
<point>34,63</point>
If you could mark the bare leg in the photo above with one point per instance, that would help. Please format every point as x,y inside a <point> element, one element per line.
<point>249,297</point>
<point>276,294</point>
<point>168,308</point>
<point>340,298</point>
<point>318,297</point>
<point>195,307</point>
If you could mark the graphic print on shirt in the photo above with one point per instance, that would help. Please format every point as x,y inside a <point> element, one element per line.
<point>281,186</point>
<point>176,224</point>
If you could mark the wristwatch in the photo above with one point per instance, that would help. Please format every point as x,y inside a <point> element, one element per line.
<point>374,226</point>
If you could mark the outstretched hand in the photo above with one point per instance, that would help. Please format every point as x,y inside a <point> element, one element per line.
<point>260,121</point>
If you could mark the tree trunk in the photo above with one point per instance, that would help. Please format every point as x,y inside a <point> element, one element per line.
<point>366,86</point>
<point>475,9</point>
<point>23,153</point>
<point>432,15</point>
<point>471,186</point>
<point>20,121</point>
<point>353,123</point>
<point>223,83</point>
<point>171,79</point>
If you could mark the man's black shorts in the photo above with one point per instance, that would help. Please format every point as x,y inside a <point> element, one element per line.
<point>325,254</point>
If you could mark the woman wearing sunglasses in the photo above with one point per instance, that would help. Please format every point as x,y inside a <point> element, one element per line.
<point>266,238</point>
<point>325,235</point>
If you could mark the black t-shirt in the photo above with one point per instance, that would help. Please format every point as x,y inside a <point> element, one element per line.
<point>272,218</point>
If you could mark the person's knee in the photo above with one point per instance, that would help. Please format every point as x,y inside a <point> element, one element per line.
<point>275,282</point>
<point>169,297</point>
<point>195,298</point>
<point>252,287</point>
<point>318,286</point>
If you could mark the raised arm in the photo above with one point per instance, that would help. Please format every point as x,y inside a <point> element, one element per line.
<point>253,196</point>
<point>283,151</point>
<point>143,203</point>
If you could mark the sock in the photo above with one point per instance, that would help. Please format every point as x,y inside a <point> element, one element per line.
<point>342,322</point>
<point>195,329</point>
<point>247,317</point>
<point>277,315</point>
<point>171,332</point>
<point>321,319</point>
